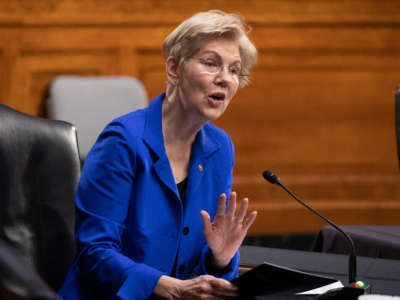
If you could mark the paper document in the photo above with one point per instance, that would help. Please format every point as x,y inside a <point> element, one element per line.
<point>322,289</point>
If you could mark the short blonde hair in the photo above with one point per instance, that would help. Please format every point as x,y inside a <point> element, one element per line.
<point>188,37</point>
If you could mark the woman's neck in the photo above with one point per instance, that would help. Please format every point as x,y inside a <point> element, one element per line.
<point>179,132</point>
<point>179,127</point>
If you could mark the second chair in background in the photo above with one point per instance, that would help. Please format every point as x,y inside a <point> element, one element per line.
<point>90,103</point>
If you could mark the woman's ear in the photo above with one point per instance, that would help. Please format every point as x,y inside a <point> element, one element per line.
<point>172,71</point>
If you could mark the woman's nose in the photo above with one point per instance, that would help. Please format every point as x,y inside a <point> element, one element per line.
<point>225,76</point>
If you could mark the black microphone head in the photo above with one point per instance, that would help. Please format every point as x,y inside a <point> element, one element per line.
<point>271,177</point>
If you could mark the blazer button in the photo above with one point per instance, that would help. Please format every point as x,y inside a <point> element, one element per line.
<point>185,230</point>
<point>181,269</point>
<point>200,167</point>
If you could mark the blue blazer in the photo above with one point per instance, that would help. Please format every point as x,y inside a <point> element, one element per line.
<point>130,222</point>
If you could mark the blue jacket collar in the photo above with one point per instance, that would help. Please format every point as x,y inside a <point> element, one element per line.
<point>204,145</point>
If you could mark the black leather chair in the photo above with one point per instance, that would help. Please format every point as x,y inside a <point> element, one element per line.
<point>19,281</point>
<point>39,172</point>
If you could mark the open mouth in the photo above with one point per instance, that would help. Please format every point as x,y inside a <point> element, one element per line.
<point>218,96</point>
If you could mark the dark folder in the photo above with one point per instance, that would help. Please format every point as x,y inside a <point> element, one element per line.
<point>274,280</point>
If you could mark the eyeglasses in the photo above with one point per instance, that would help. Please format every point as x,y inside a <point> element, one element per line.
<point>212,66</point>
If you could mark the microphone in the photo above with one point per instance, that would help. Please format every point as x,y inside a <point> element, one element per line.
<point>272,178</point>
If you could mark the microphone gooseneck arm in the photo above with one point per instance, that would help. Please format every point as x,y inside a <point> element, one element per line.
<point>272,178</point>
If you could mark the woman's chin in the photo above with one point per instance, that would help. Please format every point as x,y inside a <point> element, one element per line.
<point>214,114</point>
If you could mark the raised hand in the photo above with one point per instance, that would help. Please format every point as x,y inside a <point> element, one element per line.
<point>226,233</point>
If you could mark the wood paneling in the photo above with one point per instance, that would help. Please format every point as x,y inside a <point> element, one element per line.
<point>3,76</point>
<point>319,110</point>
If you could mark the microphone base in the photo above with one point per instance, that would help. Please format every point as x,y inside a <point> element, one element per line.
<point>347,292</point>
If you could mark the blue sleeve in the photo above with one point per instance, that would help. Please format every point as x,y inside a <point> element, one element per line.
<point>231,270</point>
<point>103,197</point>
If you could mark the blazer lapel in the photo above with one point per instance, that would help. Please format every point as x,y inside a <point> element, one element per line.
<point>203,147</point>
<point>154,139</point>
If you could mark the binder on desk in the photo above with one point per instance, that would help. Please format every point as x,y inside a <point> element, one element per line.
<point>270,279</point>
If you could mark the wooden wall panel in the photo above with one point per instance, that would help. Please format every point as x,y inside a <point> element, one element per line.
<point>51,12</point>
<point>152,71</point>
<point>3,76</point>
<point>319,110</point>
<point>35,71</point>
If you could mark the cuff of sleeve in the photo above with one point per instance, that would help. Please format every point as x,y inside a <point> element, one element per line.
<point>228,273</point>
<point>139,287</point>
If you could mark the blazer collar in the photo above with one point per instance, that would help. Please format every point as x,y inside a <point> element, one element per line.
<point>152,134</point>
<point>205,144</point>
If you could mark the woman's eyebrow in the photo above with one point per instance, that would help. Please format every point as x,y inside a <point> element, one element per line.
<point>211,52</point>
<point>216,54</point>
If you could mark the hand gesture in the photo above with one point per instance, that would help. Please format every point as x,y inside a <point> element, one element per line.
<point>227,231</point>
<point>202,287</point>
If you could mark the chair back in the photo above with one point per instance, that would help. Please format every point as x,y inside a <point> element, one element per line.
<point>90,103</point>
<point>39,173</point>
<point>20,281</point>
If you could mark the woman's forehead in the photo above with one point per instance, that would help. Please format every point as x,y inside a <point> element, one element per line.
<point>221,47</point>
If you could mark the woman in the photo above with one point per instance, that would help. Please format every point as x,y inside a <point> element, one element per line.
<point>155,176</point>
